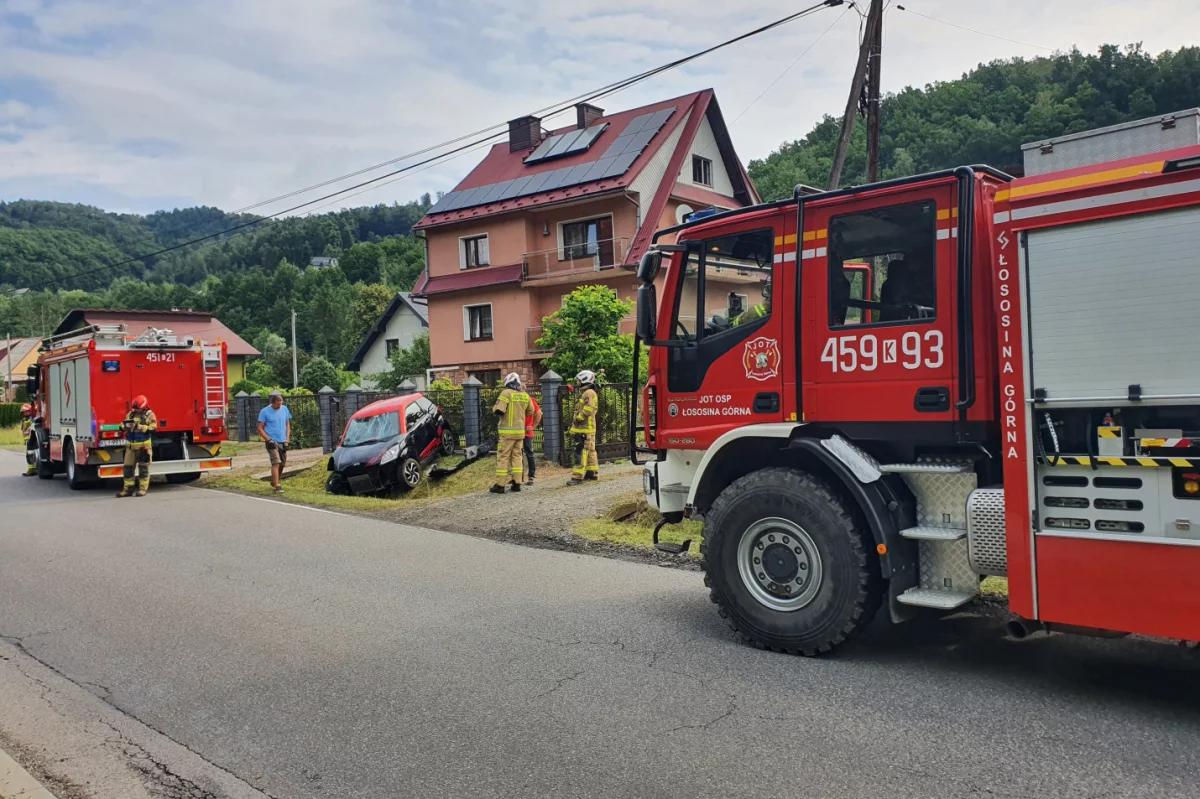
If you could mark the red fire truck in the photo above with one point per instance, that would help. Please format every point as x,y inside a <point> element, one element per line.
<point>83,384</point>
<point>1012,390</point>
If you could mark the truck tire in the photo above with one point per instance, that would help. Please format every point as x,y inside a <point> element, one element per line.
<point>186,477</point>
<point>77,476</point>
<point>788,564</point>
<point>41,460</point>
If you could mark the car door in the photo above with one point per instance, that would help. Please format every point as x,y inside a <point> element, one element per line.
<point>879,312</point>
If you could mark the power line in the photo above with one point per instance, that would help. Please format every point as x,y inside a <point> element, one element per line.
<point>972,30</point>
<point>604,91</point>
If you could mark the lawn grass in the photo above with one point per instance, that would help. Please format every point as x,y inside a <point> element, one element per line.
<point>994,587</point>
<point>308,487</point>
<point>638,529</point>
<point>10,438</point>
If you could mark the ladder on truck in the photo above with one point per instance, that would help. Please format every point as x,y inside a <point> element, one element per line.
<point>214,384</point>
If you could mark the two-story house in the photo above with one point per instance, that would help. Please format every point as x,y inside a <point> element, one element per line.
<point>547,211</point>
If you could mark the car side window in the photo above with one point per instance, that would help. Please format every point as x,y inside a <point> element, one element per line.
<point>412,416</point>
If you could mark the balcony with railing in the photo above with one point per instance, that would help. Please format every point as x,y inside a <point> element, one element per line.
<point>626,326</point>
<point>573,262</point>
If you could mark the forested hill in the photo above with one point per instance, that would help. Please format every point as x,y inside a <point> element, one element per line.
<point>49,243</point>
<point>985,116</point>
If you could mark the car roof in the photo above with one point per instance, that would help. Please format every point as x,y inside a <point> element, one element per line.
<point>386,406</point>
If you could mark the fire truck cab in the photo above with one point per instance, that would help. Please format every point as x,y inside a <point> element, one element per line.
<point>955,375</point>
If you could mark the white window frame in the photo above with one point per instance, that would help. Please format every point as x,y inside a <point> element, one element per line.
<point>462,250</point>
<point>467,321</point>
<point>745,300</point>
<point>562,247</point>
<point>702,160</point>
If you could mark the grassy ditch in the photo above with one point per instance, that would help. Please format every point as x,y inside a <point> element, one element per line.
<point>637,528</point>
<point>10,438</point>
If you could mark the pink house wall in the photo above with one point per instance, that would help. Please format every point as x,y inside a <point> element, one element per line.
<point>506,243</point>
<point>510,316</point>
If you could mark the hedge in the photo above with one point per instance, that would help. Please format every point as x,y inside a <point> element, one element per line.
<point>10,414</point>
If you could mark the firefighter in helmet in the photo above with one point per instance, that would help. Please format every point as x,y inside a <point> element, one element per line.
<point>26,432</point>
<point>511,408</point>
<point>139,425</point>
<point>583,429</point>
<point>756,312</point>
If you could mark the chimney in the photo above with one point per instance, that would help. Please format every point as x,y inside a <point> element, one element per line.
<point>524,134</point>
<point>586,115</point>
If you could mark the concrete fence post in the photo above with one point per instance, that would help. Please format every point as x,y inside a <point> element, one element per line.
<point>405,388</point>
<point>353,400</point>
<point>551,417</point>
<point>325,400</point>
<point>242,402</point>
<point>471,387</point>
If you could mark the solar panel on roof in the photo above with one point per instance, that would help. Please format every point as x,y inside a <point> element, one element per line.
<point>636,124</point>
<point>586,137</point>
<point>620,165</point>
<point>598,168</point>
<point>575,174</point>
<point>443,204</point>
<point>564,143</point>
<point>515,188</point>
<point>543,148</point>
<point>569,143</point>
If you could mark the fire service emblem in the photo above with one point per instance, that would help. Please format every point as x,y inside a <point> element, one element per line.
<point>761,358</point>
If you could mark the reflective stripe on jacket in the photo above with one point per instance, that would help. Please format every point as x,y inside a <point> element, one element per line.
<point>752,315</point>
<point>512,406</point>
<point>585,412</point>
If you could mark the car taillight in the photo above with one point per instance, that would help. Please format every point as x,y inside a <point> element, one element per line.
<point>110,434</point>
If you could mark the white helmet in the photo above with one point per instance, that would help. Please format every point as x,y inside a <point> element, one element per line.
<point>512,380</point>
<point>586,377</point>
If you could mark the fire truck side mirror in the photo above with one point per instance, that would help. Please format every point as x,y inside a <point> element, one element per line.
<point>649,265</point>
<point>647,312</point>
<point>31,380</point>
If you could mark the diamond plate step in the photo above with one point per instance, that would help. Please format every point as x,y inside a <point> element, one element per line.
<point>925,468</point>
<point>934,533</point>
<point>931,598</point>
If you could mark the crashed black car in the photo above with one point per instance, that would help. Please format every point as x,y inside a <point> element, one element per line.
<point>388,444</point>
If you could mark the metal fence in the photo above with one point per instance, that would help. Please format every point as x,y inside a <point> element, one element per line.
<point>612,422</point>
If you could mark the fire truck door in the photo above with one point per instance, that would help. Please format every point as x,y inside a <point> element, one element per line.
<point>879,343</point>
<point>726,368</point>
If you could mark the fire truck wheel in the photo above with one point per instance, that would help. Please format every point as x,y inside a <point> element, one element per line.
<point>41,458</point>
<point>788,563</point>
<point>408,474</point>
<point>77,476</point>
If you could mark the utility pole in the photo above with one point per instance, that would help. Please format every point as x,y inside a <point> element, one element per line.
<point>295,355</point>
<point>871,35</point>
<point>874,57</point>
<point>8,357</point>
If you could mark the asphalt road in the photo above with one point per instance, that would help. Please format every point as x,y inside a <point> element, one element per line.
<point>313,654</point>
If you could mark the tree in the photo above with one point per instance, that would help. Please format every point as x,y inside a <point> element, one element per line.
<point>319,373</point>
<point>370,301</point>
<point>583,335</point>
<point>405,364</point>
<point>268,343</point>
<point>260,372</point>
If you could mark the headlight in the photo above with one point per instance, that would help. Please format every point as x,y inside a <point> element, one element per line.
<point>392,453</point>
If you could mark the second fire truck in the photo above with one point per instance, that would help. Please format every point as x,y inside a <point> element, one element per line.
<point>1013,389</point>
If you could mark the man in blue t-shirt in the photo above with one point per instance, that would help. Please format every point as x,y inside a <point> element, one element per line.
<point>275,428</point>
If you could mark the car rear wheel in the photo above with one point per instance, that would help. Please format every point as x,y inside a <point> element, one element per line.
<point>449,441</point>
<point>408,474</point>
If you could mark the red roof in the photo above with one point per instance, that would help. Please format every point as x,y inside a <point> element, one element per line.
<point>197,324</point>
<point>385,406</point>
<point>500,165</point>
<point>471,279</point>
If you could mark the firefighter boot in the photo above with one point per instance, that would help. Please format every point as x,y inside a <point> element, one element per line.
<point>515,487</point>
<point>575,481</point>
<point>124,492</point>
<point>591,476</point>
<point>496,490</point>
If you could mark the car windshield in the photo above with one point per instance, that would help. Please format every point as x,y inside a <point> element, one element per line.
<point>372,429</point>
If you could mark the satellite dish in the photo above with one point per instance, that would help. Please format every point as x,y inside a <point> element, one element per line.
<point>681,214</point>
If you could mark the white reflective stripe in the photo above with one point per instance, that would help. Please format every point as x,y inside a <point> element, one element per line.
<point>1000,218</point>
<point>808,254</point>
<point>778,259</point>
<point>954,233</point>
<point>820,252</point>
<point>1104,200</point>
<point>786,257</point>
<point>943,234</point>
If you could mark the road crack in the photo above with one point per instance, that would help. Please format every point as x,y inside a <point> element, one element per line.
<point>559,683</point>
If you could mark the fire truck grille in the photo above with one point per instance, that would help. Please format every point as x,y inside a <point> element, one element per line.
<point>985,532</point>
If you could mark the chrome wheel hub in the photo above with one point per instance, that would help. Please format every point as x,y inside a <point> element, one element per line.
<point>412,472</point>
<point>779,564</point>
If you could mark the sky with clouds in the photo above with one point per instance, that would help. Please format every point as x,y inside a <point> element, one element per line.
<point>137,105</point>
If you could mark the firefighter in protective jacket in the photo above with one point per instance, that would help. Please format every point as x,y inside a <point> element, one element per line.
<point>583,429</point>
<point>758,311</point>
<point>26,431</point>
<point>511,408</point>
<point>139,425</point>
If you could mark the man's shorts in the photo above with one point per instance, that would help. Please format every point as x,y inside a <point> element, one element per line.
<point>277,453</point>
